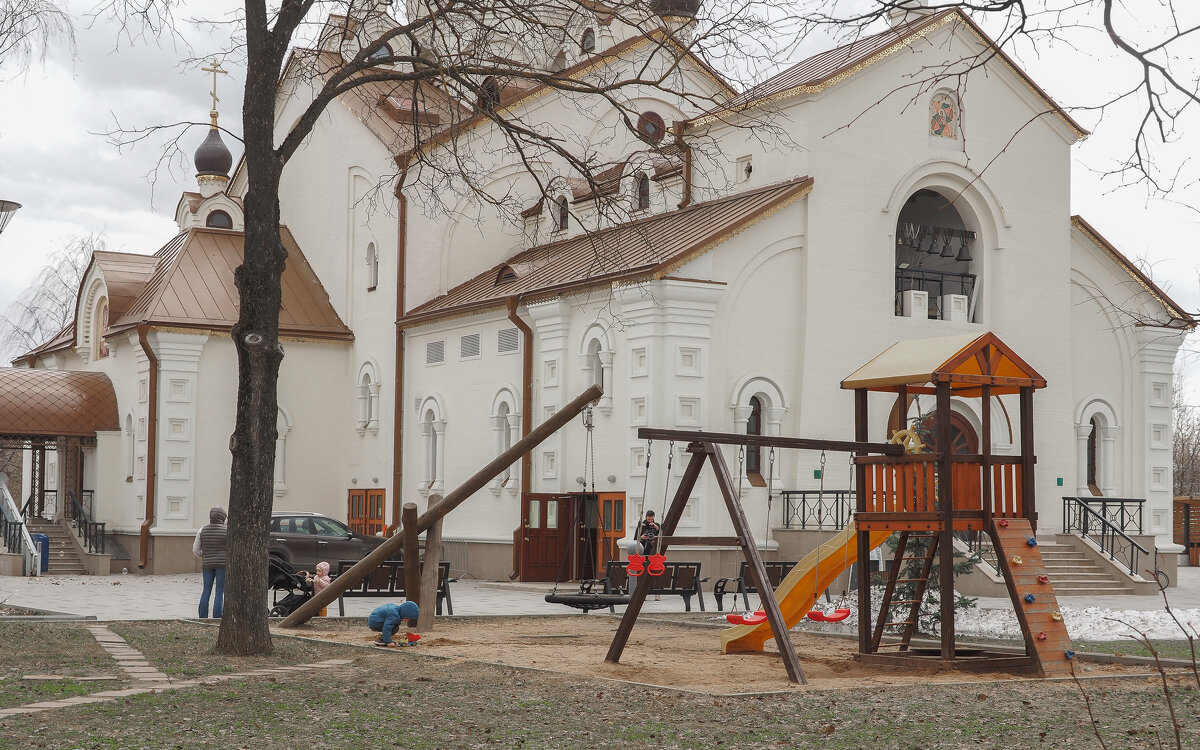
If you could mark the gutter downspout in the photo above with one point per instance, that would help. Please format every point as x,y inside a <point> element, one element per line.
<point>398,406</point>
<point>151,446</point>
<point>526,406</point>
<point>677,129</point>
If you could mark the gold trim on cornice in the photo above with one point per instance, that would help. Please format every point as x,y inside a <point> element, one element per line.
<point>225,333</point>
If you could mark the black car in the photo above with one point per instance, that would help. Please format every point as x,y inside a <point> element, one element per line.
<point>302,539</point>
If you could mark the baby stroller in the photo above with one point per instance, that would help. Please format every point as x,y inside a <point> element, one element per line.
<point>281,578</point>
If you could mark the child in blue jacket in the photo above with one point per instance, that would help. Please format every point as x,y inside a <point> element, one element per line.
<point>386,619</point>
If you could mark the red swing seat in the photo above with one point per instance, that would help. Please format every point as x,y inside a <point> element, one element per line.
<point>839,614</point>
<point>739,619</point>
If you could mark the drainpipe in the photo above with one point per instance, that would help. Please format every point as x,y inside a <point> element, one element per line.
<point>398,406</point>
<point>526,389</point>
<point>151,446</point>
<point>677,129</point>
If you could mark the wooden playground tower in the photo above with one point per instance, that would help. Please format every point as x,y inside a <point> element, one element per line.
<point>929,494</point>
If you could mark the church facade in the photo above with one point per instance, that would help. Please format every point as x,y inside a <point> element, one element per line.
<point>723,268</point>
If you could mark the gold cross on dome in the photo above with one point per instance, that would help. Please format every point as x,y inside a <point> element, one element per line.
<point>214,68</point>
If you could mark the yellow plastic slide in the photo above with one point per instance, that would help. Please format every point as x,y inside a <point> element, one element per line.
<point>797,592</point>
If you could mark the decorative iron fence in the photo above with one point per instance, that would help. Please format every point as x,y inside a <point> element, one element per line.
<point>979,544</point>
<point>1123,512</point>
<point>1080,518</point>
<point>817,509</point>
<point>90,532</point>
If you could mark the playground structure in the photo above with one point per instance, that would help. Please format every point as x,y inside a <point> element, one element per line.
<point>931,495</point>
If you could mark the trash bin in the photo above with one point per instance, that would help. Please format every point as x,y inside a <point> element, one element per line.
<point>43,543</point>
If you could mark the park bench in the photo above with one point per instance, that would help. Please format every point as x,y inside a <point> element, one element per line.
<point>388,580</point>
<point>776,572</point>
<point>681,578</point>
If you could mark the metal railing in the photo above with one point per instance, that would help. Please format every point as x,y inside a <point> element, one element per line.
<point>1123,512</point>
<point>817,509</point>
<point>89,531</point>
<point>936,283</point>
<point>979,544</point>
<point>1080,518</point>
<point>49,506</point>
<point>16,537</point>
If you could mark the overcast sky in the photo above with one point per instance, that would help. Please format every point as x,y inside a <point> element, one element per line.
<point>56,161</point>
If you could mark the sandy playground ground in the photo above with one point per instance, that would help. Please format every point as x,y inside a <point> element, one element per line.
<point>659,652</point>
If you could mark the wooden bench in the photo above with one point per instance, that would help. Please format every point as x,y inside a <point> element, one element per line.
<point>388,580</point>
<point>776,572</point>
<point>681,578</point>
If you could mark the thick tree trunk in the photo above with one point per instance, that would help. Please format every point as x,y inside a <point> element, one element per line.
<point>244,627</point>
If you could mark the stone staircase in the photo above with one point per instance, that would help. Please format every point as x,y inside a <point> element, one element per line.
<point>1074,573</point>
<point>64,553</point>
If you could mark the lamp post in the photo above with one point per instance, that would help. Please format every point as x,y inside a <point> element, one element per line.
<point>7,209</point>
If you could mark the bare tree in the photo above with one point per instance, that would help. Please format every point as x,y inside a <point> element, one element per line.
<point>27,28</point>
<point>47,305</point>
<point>1186,447</point>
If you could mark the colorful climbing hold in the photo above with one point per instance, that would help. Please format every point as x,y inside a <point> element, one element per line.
<point>1069,654</point>
<point>1043,579</point>
<point>1002,523</point>
<point>1056,616</point>
<point>1030,598</point>
<point>1016,560</point>
<point>1041,636</point>
<point>1031,541</point>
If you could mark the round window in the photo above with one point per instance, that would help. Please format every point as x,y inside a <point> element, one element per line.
<point>650,126</point>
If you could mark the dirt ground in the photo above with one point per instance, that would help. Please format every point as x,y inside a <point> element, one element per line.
<point>662,653</point>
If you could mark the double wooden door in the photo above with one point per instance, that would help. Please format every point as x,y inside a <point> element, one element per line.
<point>571,535</point>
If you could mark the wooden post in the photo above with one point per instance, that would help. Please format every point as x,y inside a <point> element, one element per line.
<point>946,498</point>
<point>412,555</point>
<point>861,433</point>
<point>985,465</point>
<point>451,501</point>
<point>758,572</point>
<point>637,597</point>
<point>429,573</point>
<point>1028,459</point>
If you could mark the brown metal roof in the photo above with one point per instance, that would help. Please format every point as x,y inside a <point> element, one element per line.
<point>193,287</point>
<point>630,252</point>
<point>125,276</point>
<point>1180,317</point>
<point>56,403</point>
<point>827,68</point>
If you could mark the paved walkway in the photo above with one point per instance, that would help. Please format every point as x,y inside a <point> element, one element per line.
<point>133,597</point>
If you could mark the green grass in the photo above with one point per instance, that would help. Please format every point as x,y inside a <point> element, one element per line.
<point>1173,649</point>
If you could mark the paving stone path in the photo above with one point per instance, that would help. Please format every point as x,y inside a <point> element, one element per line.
<point>148,679</point>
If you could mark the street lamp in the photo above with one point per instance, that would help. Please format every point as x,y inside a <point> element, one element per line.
<point>7,209</point>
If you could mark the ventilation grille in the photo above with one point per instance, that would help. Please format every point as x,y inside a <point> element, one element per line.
<point>435,352</point>
<point>468,346</point>
<point>508,340</point>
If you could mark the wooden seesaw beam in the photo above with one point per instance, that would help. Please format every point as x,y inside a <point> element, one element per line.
<point>451,501</point>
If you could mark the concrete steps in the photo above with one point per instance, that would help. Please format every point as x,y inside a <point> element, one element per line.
<point>1076,574</point>
<point>64,558</point>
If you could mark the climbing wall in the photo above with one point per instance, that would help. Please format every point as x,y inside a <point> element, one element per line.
<point>1033,597</point>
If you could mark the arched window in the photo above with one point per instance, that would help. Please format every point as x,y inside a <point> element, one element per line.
<point>372,267</point>
<point>489,94</point>
<point>506,427</point>
<point>587,42</point>
<point>367,394</point>
<point>641,191</point>
<point>1093,457</point>
<point>379,54</point>
<point>596,356</point>
<point>101,328</point>
<point>936,277</point>
<point>754,452</point>
<point>594,366</point>
<point>564,214</point>
<point>433,428</point>
<point>218,220</point>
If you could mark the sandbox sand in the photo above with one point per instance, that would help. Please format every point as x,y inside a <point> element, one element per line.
<point>664,653</point>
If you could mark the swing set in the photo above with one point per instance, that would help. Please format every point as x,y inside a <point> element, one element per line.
<point>703,447</point>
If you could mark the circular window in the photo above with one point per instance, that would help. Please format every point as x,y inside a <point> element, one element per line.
<point>650,126</point>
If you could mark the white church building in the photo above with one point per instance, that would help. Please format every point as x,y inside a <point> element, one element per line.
<point>724,270</point>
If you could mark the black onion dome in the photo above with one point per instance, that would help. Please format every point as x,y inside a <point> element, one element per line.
<point>677,8</point>
<point>213,158</point>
